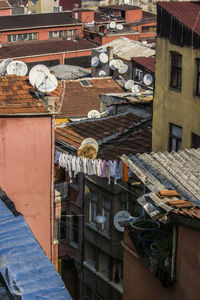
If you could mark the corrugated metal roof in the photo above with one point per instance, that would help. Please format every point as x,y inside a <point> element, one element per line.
<point>126,48</point>
<point>27,272</point>
<point>186,12</point>
<point>146,62</point>
<point>176,170</point>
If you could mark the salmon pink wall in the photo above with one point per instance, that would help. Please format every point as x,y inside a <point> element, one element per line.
<point>25,171</point>
<point>133,15</point>
<point>107,39</point>
<point>6,12</point>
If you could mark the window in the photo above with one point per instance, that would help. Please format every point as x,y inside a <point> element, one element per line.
<point>62,34</point>
<point>117,272</point>
<point>139,74</point>
<point>33,2</point>
<point>175,138</point>
<point>106,212</point>
<point>103,263</point>
<point>148,29</point>
<point>195,141</point>
<point>22,37</point>
<point>93,207</point>
<point>176,71</point>
<point>91,255</point>
<point>63,225</point>
<point>198,78</point>
<point>74,229</point>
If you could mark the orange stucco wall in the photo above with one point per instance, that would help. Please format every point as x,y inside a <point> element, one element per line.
<point>140,284</point>
<point>43,33</point>
<point>107,39</point>
<point>25,171</point>
<point>133,15</point>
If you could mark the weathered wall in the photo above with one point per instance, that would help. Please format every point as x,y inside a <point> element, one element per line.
<point>140,283</point>
<point>181,108</point>
<point>25,171</point>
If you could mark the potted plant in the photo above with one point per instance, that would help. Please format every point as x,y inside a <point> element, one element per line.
<point>162,246</point>
<point>144,224</point>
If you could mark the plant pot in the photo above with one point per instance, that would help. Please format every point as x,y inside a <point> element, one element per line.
<point>148,236</point>
<point>141,224</point>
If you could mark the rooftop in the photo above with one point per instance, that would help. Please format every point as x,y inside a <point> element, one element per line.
<point>126,48</point>
<point>44,47</point>
<point>109,130</point>
<point>4,4</point>
<point>186,12</point>
<point>32,21</point>
<point>82,95</point>
<point>146,62</point>
<point>26,270</point>
<point>120,7</point>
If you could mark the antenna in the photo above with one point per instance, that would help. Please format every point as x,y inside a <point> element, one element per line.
<point>17,67</point>
<point>88,148</point>
<point>120,26</point>
<point>95,61</point>
<point>93,114</point>
<point>38,72</point>
<point>112,64</point>
<point>48,84</point>
<point>112,24</point>
<point>148,79</point>
<point>103,58</point>
<point>129,84</point>
<point>3,65</point>
<point>123,69</point>
<point>121,216</point>
<point>118,63</point>
<point>102,73</point>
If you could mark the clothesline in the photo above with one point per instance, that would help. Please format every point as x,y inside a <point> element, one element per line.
<point>99,167</point>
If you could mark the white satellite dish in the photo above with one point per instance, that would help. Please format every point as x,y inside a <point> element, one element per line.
<point>17,67</point>
<point>38,71</point>
<point>103,58</point>
<point>121,216</point>
<point>118,63</point>
<point>136,89</point>
<point>147,79</point>
<point>112,24</point>
<point>102,73</point>
<point>112,64</point>
<point>47,84</point>
<point>129,84</point>
<point>3,65</point>
<point>120,26</point>
<point>95,61</point>
<point>88,148</point>
<point>123,69</point>
<point>90,141</point>
<point>93,114</point>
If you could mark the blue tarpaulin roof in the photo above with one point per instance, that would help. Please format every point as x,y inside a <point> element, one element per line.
<point>27,272</point>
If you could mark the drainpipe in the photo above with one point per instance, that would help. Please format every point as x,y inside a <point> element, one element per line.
<point>174,246</point>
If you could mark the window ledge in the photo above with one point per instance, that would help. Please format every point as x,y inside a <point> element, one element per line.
<point>89,267</point>
<point>93,227</point>
<point>102,276</point>
<point>174,89</point>
<point>73,244</point>
<point>117,286</point>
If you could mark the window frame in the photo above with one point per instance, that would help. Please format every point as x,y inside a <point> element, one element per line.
<point>193,142</point>
<point>178,140</point>
<point>176,71</point>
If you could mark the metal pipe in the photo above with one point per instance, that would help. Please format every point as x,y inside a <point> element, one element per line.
<point>174,246</point>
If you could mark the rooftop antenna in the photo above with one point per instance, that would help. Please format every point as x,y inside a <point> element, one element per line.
<point>95,61</point>
<point>102,73</point>
<point>3,65</point>
<point>38,72</point>
<point>123,69</point>
<point>113,24</point>
<point>121,216</point>
<point>120,26</point>
<point>148,79</point>
<point>93,114</point>
<point>48,84</point>
<point>129,84</point>
<point>103,58</point>
<point>17,67</point>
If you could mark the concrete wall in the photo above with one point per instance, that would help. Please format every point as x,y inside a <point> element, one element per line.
<point>140,283</point>
<point>181,108</point>
<point>48,6</point>
<point>25,171</point>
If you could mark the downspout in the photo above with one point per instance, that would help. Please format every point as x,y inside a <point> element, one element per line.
<point>174,246</point>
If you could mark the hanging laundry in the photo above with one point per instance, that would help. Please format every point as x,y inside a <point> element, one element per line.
<point>125,172</point>
<point>119,172</point>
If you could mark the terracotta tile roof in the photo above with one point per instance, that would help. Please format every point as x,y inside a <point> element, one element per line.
<point>193,213</point>
<point>146,62</point>
<point>4,4</point>
<point>186,12</point>
<point>37,21</point>
<point>108,130</point>
<point>44,47</point>
<point>16,98</point>
<point>79,99</point>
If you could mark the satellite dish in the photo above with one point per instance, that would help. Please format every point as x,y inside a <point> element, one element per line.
<point>136,89</point>
<point>147,79</point>
<point>48,84</point>
<point>95,61</point>
<point>129,84</point>
<point>121,216</point>
<point>112,64</point>
<point>94,114</point>
<point>38,71</point>
<point>17,67</point>
<point>3,65</point>
<point>123,69</point>
<point>118,63</point>
<point>102,73</point>
<point>112,24</point>
<point>120,26</point>
<point>103,58</point>
<point>100,219</point>
<point>88,148</point>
